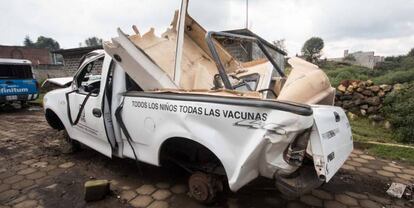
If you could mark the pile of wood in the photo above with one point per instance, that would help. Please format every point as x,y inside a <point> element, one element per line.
<point>362,97</point>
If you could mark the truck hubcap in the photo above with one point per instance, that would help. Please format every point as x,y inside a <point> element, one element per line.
<point>200,187</point>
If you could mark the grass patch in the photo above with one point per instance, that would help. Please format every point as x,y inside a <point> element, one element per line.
<point>405,154</point>
<point>364,131</point>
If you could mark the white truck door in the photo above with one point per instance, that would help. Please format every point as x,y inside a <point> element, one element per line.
<point>331,139</point>
<point>88,122</point>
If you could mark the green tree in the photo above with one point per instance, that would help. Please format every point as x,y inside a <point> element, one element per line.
<point>45,42</point>
<point>42,42</point>
<point>93,41</point>
<point>312,49</point>
<point>28,42</point>
<point>411,53</point>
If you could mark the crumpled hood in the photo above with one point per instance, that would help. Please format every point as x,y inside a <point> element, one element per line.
<point>307,84</point>
<point>61,82</point>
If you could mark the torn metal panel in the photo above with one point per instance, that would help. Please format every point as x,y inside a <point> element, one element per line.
<point>307,83</point>
<point>197,66</point>
<point>60,82</point>
<point>137,63</point>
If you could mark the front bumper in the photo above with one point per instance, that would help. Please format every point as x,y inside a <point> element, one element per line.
<point>12,98</point>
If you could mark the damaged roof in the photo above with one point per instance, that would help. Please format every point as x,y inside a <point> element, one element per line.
<point>80,50</point>
<point>248,32</point>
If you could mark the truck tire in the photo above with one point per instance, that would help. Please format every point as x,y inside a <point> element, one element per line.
<point>24,104</point>
<point>204,187</point>
<point>67,145</point>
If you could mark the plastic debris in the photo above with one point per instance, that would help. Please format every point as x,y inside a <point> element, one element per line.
<point>396,190</point>
<point>96,189</point>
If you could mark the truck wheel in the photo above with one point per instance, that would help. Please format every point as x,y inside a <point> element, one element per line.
<point>23,104</point>
<point>67,145</point>
<point>204,187</point>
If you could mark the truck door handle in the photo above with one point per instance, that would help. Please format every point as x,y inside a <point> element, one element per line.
<point>337,117</point>
<point>97,112</point>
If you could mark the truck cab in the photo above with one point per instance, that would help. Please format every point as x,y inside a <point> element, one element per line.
<point>17,81</point>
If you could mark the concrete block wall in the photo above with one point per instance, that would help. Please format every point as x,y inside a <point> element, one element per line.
<point>43,72</point>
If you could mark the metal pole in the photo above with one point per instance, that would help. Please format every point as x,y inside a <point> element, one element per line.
<point>180,41</point>
<point>247,14</point>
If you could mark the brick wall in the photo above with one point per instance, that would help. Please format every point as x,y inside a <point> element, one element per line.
<point>36,55</point>
<point>248,51</point>
<point>43,72</point>
<point>242,52</point>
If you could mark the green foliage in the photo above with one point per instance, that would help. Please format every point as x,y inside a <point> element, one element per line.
<point>42,42</point>
<point>345,72</point>
<point>398,107</point>
<point>28,42</point>
<point>93,41</point>
<point>312,49</point>
<point>387,65</point>
<point>393,70</point>
<point>395,77</point>
<point>411,53</point>
<point>49,43</point>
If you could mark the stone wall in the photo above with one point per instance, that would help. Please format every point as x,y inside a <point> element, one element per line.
<point>363,97</point>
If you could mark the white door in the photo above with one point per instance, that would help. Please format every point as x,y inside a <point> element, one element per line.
<point>88,123</point>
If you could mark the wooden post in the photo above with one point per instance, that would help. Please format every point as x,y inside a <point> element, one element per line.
<point>180,41</point>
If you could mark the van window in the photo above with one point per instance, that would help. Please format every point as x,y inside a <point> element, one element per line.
<point>15,71</point>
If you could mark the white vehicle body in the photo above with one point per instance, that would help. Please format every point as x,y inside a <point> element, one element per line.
<point>248,134</point>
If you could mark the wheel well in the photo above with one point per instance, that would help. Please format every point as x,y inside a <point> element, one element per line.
<point>190,155</point>
<point>54,120</point>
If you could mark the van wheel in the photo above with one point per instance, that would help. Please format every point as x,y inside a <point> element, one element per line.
<point>204,187</point>
<point>67,145</point>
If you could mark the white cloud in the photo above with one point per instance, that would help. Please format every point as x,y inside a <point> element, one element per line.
<point>384,26</point>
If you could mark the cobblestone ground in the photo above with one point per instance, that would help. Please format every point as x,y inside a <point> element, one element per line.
<point>33,173</point>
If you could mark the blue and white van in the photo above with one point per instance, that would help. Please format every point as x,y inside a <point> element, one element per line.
<point>17,82</point>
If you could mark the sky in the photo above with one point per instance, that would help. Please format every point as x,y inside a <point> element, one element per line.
<point>383,26</point>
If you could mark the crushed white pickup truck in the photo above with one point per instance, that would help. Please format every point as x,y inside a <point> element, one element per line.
<point>182,98</point>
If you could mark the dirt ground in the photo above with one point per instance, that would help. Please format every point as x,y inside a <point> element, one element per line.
<point>34,173</point>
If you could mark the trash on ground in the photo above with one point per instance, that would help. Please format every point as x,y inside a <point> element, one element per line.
<point>96,189</point>
<point>396,190</point>
<point>409,193</point>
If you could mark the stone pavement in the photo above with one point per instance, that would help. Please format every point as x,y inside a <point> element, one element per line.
<point>33,173</point>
